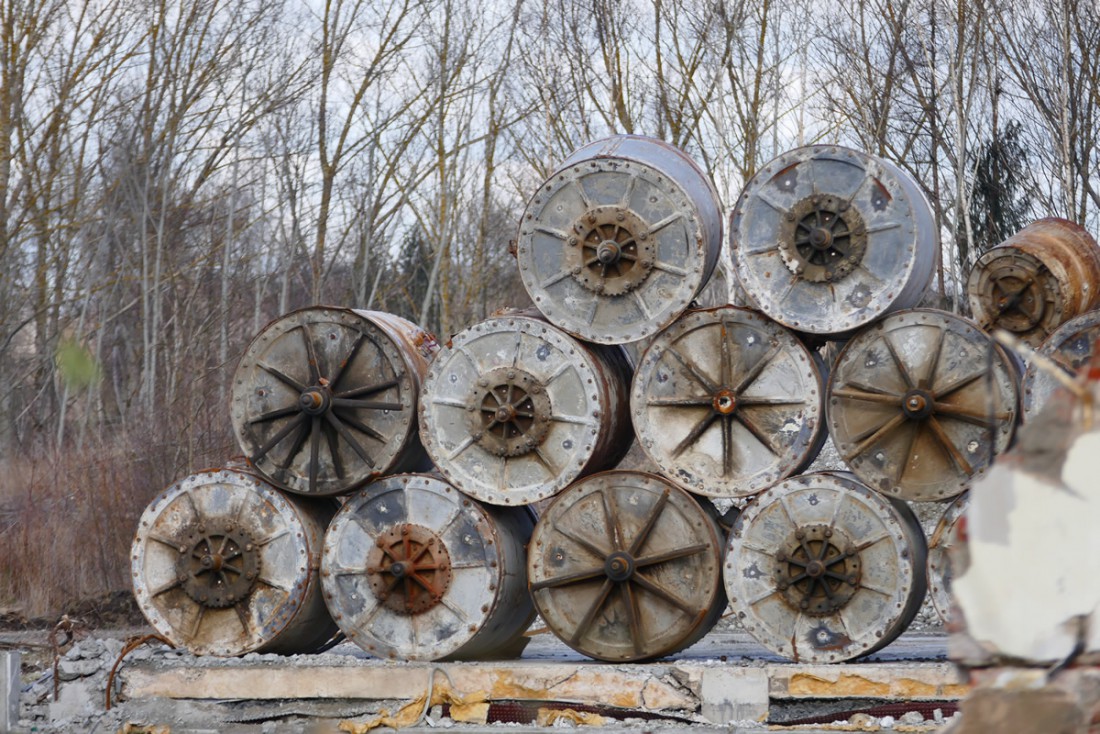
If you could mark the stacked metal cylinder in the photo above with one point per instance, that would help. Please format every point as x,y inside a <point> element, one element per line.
<point>444,453</point>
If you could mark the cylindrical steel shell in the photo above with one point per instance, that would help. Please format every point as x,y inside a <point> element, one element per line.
<point>826,240</point>
<point>1036,280</point>
<point>324,398</point>
<point>940,552</point>
<point>920,402</point>
<point>626,566</point>
<point>620,239</point>
<point>1072,348</point>
<point>225,564</point>
<point>514,409</point>
<point>415,570</point>
<point>821,569</point>
<point>727,402</point>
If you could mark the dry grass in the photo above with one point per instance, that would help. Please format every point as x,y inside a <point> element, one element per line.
<point>67,518</point>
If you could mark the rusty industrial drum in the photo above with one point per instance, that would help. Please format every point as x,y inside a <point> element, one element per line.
<point>821,569</point>
<point>620,239</point>
<point>941,547</point>
<point>415,570</point>
<point>514,409</point>
<point>1071,347</point>
<point>919,403</point>
<point>1036,280</point>
<point>225,564</point>
<point>727,402</point>
<point>626,566</point>
<point>826,240</point>
<point>324,398</point>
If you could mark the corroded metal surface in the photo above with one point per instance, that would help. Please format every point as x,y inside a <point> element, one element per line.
<point>620,239</point>
<point>626,566</point>
<point>324,398</point>
<point>514,409</point>
<point>414,570</point>
<point>940,552</point>
<point>920,402</point>
<point>826,239</point>
<point>1072,347</point>
<point>1036,280</point>
<point>225,564</point>
<point>727,402</point>
<point>819,568</point>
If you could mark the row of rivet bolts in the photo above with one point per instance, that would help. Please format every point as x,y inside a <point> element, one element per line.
<point>726,403</point>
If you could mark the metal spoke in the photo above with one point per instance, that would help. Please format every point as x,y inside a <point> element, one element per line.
<point>541,458</point>
<point>727,446</point>
<point>662,593</point>
<point>314,452</point>
<point>632,621</point>
<point>242,616</point>
<point>566,580</point>
<point>757,368</point>
<point>672,555</point>
<point>274,414</point>
<point>878,434</point>
<point>960,384</point>
<point>978,418</point>
<point>700,378</point>
<point>349,439</point>
<point>367,390</point>
<point>299,441</point>
<point>583,543</point>
<point>753,402</point>
<point>362,427</point>
<point>760,436</point>
<point>283,377</point>
<point>930,375</point>
<point>334,380</point>
<point>590,615</point>
<point>311,356</point>
<point>614,530</point>
<point>333,449</point>
<point>867,397</point>
<point>898,363</point>
<point>650,522</point>
<point>688,402</point>
<point>274,440</point>
<point>365,404</point>
<point>694,434</point>
<point>957,458</point>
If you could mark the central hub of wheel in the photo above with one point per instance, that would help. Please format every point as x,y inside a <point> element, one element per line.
<point>409,569</point>
<point>917,404</point>
<point>315,401</point>
<point>509,411</point>
<point>619,566</point>
<point>610,250</point>
<point>817,570</point>
<point>218,564</point>
<point>822,238</point>
<point>724,402</point>
<point>1019,292</point>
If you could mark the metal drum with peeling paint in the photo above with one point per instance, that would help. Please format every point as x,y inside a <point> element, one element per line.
<point>920,402</point>
<point>1071,347</point>
<point>727,402</point>
<point>626,566</point>
<point>415,570</point>
<point>1036,280</point>
<point>949,533</point>
<point>620,239</point>
<point>826,240</point>
<point>324,398</point>
<point>822,569</point>
<point>225,564</point>
<point>514,409</point>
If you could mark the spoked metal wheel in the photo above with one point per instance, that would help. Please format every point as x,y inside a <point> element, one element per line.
<point>820,568</point>
<point>1036,280</point>
<point>1071,347</point>
<point>944,538</point>
<point>727,402</point>
<point>920,402</point>
<point>415,570</point>
<point>627,566</point>
<point>223,564</point>
<point>325,398</point>
<point>826,240</point>
<point>513,410</point>
<point>620,239</point>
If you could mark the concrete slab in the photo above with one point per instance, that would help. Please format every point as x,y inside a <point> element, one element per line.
<point>719,683</point>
